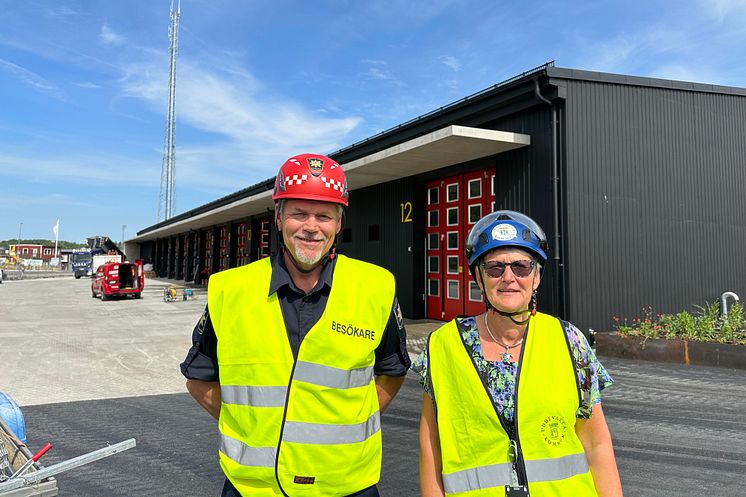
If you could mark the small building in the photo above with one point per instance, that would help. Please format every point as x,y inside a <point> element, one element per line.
<point>637,182</point>
<point>34,254</point>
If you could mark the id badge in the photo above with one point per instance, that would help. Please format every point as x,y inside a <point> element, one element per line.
<point>516,491</point>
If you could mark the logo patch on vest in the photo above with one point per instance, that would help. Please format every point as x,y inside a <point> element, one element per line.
<point>304,480</point>
<point>554,430</point>
<point>353,331</point>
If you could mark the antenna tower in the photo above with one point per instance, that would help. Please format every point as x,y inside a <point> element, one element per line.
<point>168,165</point>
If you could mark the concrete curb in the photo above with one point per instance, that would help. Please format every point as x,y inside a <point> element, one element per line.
<point>678,351</point>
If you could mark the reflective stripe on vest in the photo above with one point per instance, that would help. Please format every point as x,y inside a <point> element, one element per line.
<point>498,475</point>
<point>309,426</point>
<point>558,468</point>
<point>481,478</point>
<point>317,433</point>
<point>253,396</point>
<point>328,376</point>
<point>554,458</point>
<point>248,456</point>
<point>318,374</point>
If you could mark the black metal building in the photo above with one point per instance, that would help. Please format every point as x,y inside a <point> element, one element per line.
<point>638,183</point>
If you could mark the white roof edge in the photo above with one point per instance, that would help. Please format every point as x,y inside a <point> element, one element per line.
<point>211,212</point>
<point>456,131</point>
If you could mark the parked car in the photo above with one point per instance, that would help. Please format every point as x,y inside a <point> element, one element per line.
<point>118,279</point>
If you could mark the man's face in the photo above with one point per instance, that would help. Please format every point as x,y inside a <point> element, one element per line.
<point>308,228</point>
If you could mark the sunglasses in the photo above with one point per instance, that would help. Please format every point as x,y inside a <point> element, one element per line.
<point>521,269</point>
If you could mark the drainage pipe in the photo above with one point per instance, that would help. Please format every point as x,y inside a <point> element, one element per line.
<point>556,260</point>
<point>724,302</point>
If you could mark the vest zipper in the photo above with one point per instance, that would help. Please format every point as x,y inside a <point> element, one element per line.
<point>284,416</point>
<point>520,463</point>
<point>512,428</point>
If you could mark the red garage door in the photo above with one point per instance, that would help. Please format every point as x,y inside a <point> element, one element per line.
<point>263,247</point>
<point>454,204</point>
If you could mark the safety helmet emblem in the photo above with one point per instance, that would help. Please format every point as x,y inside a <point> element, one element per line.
<point>315,165</point>
<point>504,232</point>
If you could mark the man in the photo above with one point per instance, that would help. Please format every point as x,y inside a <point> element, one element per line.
<point>298,354</point>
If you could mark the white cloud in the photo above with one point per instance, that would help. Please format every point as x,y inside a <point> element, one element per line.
<point>110,37</point>
<point>13,201</point>
<point>31,79</point>
<point>232,104</point>
<point>408,12</point>
<point>453,84</point>
<point>380,72</point>
<point>250,132</point>
<point>693,47</point>
<point>629,51</point>
<point>61,13</point>
<point>376,73</point>
<point>724,11</point>
<point>451,62</point>
<point>88,85</point>
<point>82,168</point>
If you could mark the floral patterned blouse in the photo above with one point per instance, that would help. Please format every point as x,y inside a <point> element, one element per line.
<point>592,376</point>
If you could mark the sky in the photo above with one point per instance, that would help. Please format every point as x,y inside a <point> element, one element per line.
<point>84,85</point>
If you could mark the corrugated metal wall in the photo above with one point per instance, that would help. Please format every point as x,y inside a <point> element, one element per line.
<point>379,209</point>
<point>524,184</point>
<point>655,213</point>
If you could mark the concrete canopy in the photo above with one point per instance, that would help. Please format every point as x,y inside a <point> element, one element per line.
<point>445,147</point>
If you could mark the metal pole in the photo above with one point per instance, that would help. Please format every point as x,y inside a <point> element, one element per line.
<point>48,471</point>
<point>124,226</point>
<point>19,233</point>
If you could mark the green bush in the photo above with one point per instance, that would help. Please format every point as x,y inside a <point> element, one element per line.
<point>706,325</point>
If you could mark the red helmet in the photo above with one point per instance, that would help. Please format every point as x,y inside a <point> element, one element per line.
<point>311,177</point>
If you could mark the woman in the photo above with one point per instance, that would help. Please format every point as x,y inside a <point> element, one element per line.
<point>511,403</point>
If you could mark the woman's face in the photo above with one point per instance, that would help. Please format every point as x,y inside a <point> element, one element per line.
<point>508,292</point>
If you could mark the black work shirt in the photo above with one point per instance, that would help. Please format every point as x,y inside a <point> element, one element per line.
<point>300,311</point>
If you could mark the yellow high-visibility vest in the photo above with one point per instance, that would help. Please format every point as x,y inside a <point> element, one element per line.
<point>309,426</point>
<point>476,448</point>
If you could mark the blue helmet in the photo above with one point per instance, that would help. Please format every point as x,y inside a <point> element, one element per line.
<point>11,414</point>
<point>505,229</point>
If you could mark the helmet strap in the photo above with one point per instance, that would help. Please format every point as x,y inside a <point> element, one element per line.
<point>516,313</point>
<point>533,303</point>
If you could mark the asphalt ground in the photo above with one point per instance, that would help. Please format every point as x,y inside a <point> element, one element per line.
<point>89,373</point>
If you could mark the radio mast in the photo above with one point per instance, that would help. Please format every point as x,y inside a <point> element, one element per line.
<point>168,165</point>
